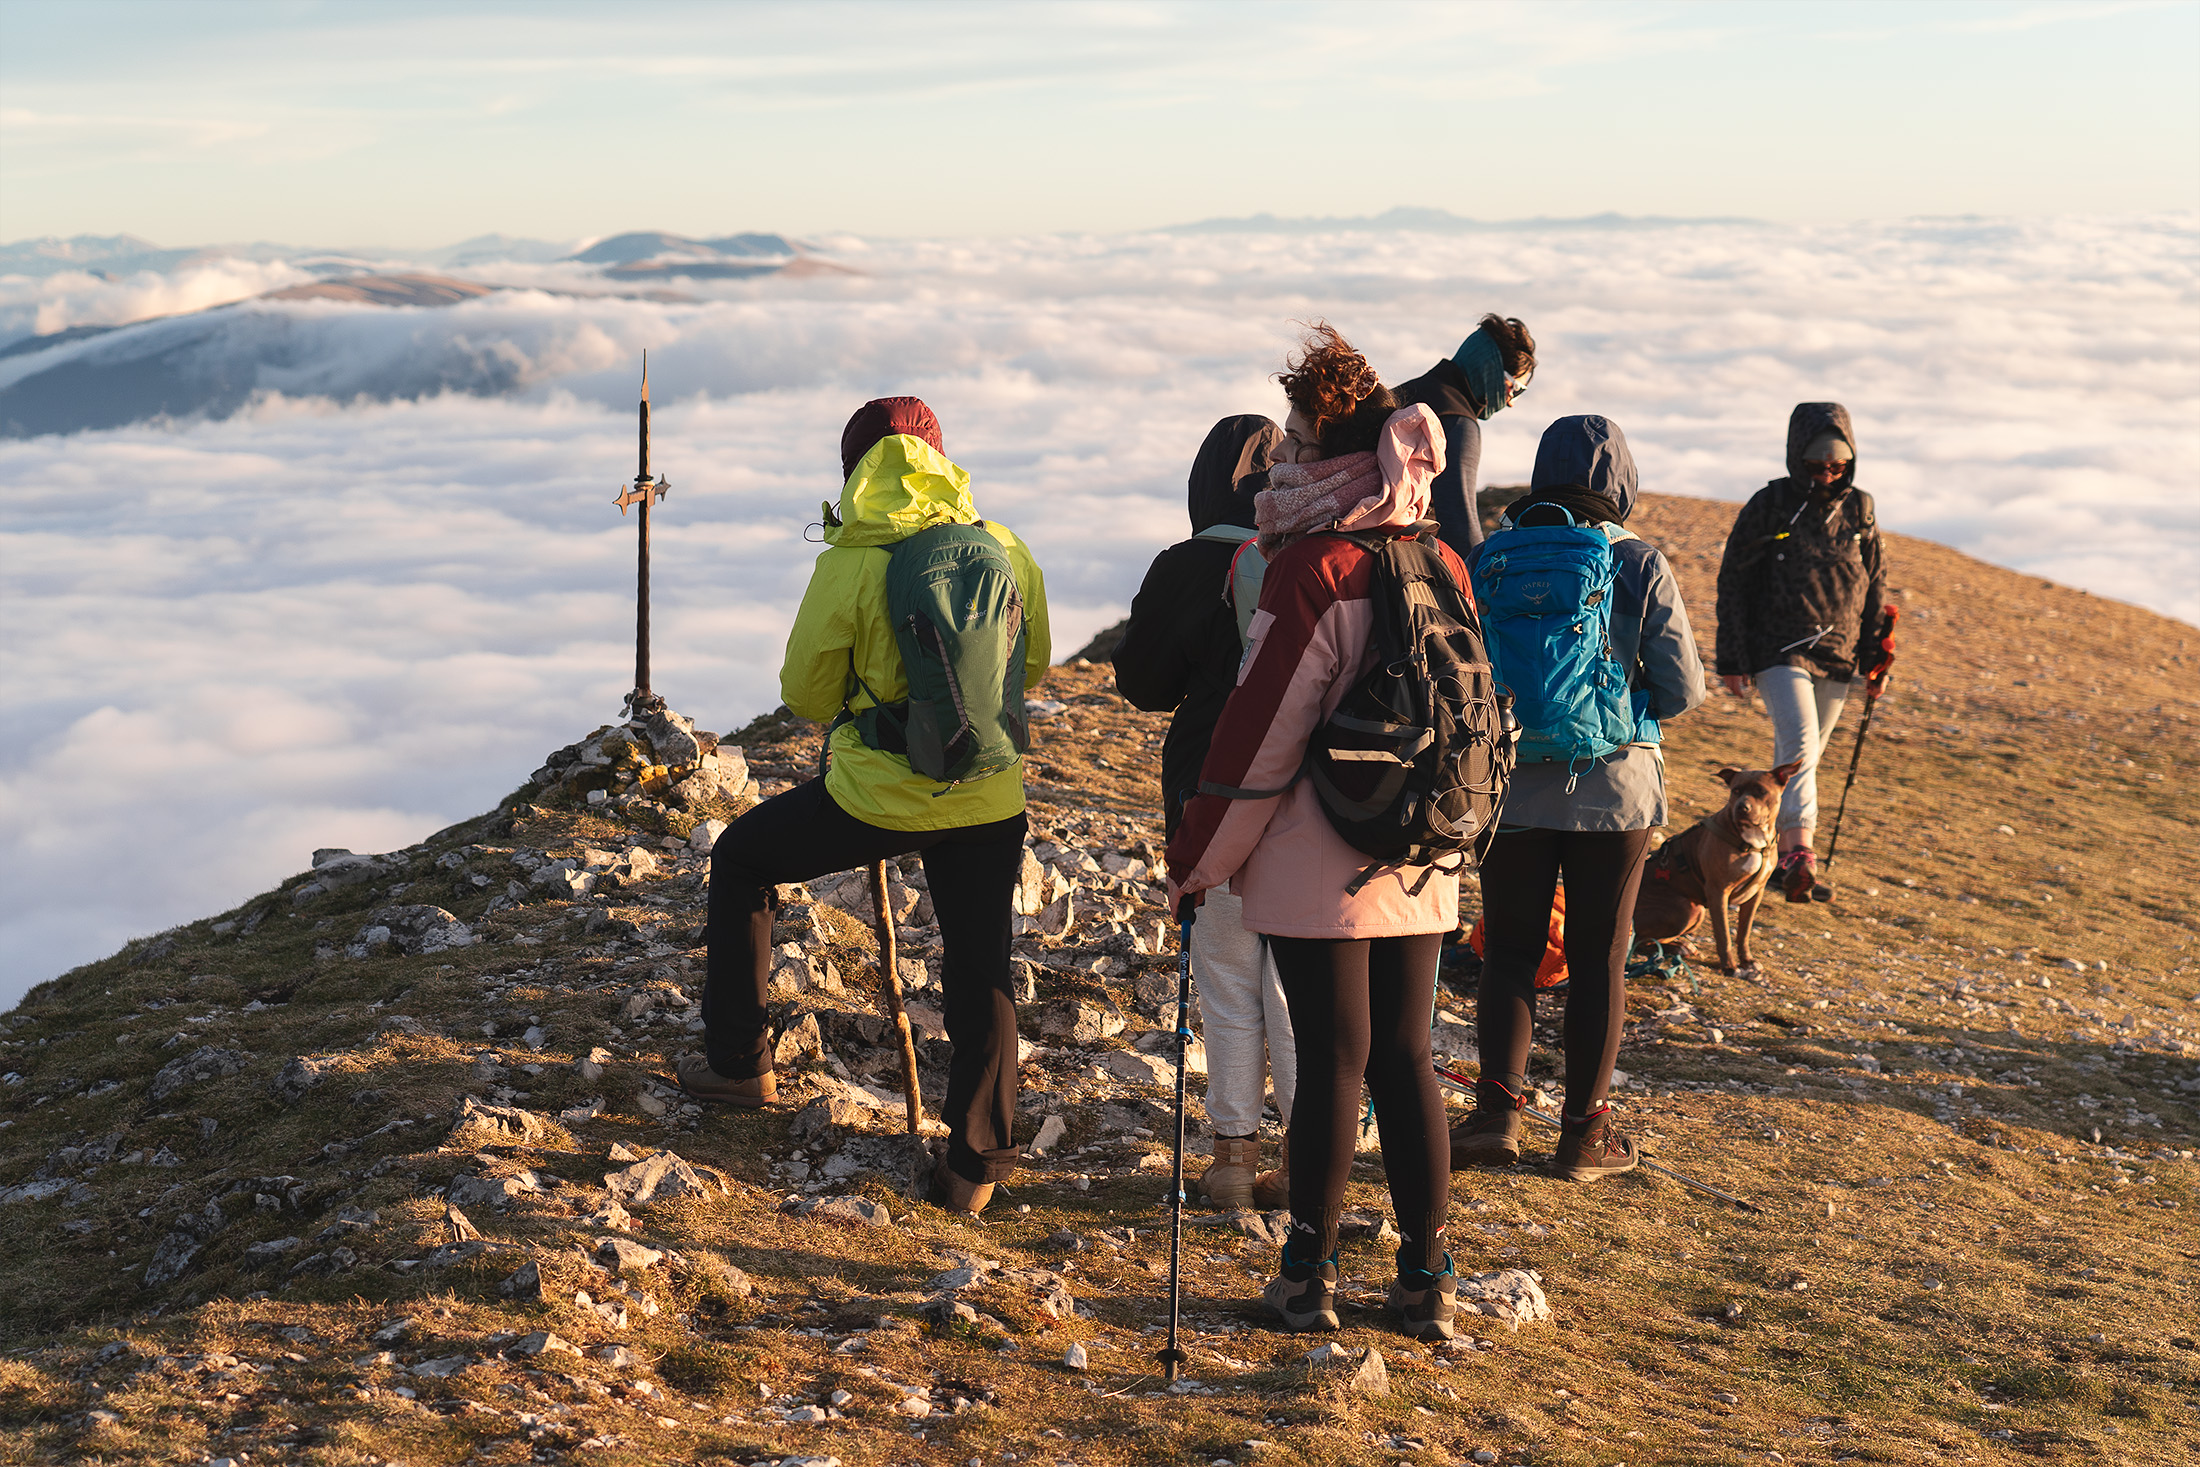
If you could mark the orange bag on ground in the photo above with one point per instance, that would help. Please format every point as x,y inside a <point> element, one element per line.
<point>1552,970</point>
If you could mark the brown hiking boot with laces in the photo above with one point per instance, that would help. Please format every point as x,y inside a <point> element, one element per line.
<point>1592,1148</point>
<point>1272,1190</point>
<point>1490,1135</point>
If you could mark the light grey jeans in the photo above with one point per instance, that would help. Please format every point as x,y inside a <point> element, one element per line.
<point>1248,1029</point>
<point>1804,710</point>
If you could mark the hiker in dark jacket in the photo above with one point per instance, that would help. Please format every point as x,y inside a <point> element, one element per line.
<point>1802,602</point>
<point>1487,374</point>
<point>1180,654</point>
<point>1592,825</point>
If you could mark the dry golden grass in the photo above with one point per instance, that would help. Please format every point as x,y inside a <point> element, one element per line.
<point>1932,1278</point>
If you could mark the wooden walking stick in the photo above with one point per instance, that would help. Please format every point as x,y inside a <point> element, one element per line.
<point>890,979</point>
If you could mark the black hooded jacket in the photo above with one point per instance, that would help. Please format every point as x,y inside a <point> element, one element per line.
<point>1803,582</point>
<point>1181,649</point>
<point>1443,389</point>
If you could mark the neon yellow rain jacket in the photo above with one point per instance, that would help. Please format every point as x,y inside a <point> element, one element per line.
<point>901,486</point>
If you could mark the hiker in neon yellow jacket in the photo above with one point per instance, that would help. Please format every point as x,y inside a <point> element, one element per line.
<point>870,804</point>
<point>902,485</point>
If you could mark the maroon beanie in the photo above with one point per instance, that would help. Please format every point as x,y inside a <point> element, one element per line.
<point>883,418</point>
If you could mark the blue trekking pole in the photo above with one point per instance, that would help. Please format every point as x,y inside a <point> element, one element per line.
<point>1172,1358</point>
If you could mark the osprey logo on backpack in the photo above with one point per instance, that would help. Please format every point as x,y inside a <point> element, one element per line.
<point>958,619</point>
<point>1546,595</point>
<point>1412,767</point>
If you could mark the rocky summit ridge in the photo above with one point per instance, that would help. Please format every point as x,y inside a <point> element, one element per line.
<point>385,1166</point>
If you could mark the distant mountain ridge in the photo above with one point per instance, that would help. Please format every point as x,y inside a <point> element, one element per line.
<point>1434,221</point>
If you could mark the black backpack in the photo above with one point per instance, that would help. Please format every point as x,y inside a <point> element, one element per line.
<point>1413,766</point>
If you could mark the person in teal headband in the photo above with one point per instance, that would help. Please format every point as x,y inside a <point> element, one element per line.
<point>1488,372</point>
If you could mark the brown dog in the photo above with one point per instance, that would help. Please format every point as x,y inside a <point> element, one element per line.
<point>1723,859</point>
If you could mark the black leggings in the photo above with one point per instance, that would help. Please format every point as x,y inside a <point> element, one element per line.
<point>972,873</point>
<point>1360,1010</point>
<point>1519,878</point>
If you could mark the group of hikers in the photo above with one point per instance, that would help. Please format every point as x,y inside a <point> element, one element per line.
<point>1314,542</point>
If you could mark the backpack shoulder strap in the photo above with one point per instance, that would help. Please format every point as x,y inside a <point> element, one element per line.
<point>1227,534</point>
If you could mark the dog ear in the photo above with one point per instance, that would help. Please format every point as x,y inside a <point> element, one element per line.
<point>1781,774</point>
<point>1729,775</point>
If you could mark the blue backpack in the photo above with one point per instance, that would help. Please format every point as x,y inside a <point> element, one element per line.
<point>1545,592</point>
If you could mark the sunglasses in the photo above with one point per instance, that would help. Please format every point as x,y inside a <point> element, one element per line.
<point>1825,465</point>
<point>1517,387</point>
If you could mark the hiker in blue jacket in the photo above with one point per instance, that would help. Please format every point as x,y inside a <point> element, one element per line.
<point>1485,376</point>
<point>1588,818</point>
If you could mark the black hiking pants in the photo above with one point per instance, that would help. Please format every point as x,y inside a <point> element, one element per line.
<point>972,870</point>
<point>1360,1011</point>
<point>1603,870</point>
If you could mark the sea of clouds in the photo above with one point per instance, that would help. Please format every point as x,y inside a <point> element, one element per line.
<point>365,605</point>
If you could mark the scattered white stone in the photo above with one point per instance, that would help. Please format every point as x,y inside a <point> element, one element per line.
<point>658,1178</point>
<point>541,1342</point>
<point>1074,1358</point>
<point>1139,1069</point>
<point>1051,1131</point>
<point>1514,1295</point>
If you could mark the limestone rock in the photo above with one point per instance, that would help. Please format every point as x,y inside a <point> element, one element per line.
<point>859,1212</point>
<point>524,1282</point>
<point>541,1342</point>
<point>413,930</point>
<point>1076,1021</point>
<point>486,1191</point>
<point>617,1254</point>
<point>181,1245</point>
<point>904,1162</point>
<point>705,835</point>
<point>296,1079</point>
<point>200,1066</point>
<point>1514,1295</point>
<point>656,1179</point>
<point>826,1115</point>
<point>1162,1043</point>
<point>1139,1069</point>
<point>474,1125</point>
<point>800,1040</point>
<point>1051,1131</point>
<point>671,738</point>
<point>261,1255</point>
<point>563,879</point>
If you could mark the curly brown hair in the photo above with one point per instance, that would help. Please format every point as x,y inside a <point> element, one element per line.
<point>1337,391</point>
<point>1513,341</point>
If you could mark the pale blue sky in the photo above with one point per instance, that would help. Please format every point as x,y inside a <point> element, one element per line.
<point>415,124</point>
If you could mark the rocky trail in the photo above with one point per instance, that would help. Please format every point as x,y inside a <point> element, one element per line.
<point>384,1166</point>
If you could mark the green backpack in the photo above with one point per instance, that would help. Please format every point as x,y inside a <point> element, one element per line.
<point>958,621</point>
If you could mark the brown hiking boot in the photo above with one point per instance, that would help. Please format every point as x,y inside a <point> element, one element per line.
<point>1427,1313</point>
<point>1490,1135</point>
<point>1304,1304</point>
<point>952,1194</point>
<point>1229,1182</point>
<point>701,1082</point>
<point>1272,1190</point>
<point>1592,1148</point>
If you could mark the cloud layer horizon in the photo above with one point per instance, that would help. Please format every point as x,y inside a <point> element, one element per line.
<point>366,603</point>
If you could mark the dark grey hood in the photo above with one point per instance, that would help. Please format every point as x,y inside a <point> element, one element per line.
<point>1587,453</point>
<point>1231,467</point>
<point>1805,424</point>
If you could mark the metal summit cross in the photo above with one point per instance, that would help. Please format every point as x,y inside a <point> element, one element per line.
<point>644,491</point>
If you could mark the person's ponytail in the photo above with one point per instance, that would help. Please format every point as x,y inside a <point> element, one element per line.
<point>1336,390</point>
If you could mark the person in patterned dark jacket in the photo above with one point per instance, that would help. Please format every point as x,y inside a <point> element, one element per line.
<point>1803,612</point>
